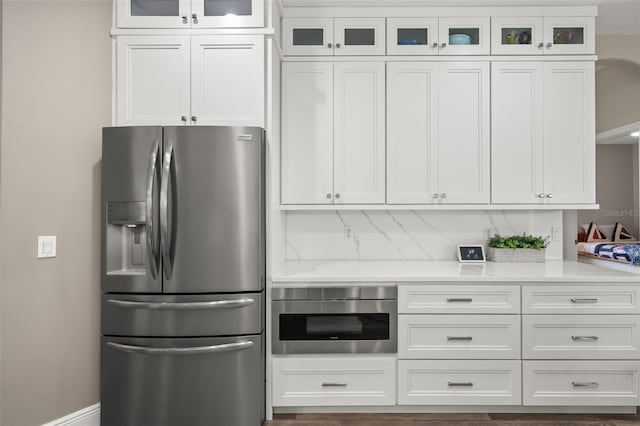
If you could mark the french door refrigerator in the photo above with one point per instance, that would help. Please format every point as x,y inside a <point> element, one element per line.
<point>183,273</point>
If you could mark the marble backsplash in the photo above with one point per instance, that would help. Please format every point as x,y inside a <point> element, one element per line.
<point>408,235</point>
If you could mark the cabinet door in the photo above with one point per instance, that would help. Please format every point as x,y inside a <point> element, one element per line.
<point>569,36</point>
<point>227,80</point>
<point>516,132</point>
<point>228,13</point>
<point>463,132</point>
<point>152,80</point>
<point>359,36</point>
<point>412,116</point>
<point>569,132</point>
<point>464,36</point>
<point>516,36</point>
<point>307,36</point>
<point>359,136</point>
<point>412,36</point>
<point>307,133</point>
<point>153,13</point>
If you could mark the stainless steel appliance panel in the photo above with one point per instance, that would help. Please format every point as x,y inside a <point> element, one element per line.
<point>182,315</point>
<point>186,381</point>
<point>130,214</point>
<point>329,344</point>
<point>211,209</point>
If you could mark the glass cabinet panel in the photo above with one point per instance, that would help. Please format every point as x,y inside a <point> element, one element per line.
<point>359,37</point>
<point>227,7</point>
<point>464,36</point>
<point>412,36</point>
<point>308,37</point>
<point>516,36</point>
<point>155,7</point>
<point>570,35</point>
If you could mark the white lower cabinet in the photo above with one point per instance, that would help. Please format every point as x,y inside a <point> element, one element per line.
<point>459,336</point>
<point>334,381</point>
<point>484,382</point>
<point>600,383</point>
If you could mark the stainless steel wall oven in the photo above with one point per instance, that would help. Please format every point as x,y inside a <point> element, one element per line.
<point>334,320</point>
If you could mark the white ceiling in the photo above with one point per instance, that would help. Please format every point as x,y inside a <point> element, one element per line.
<point>621,17</point>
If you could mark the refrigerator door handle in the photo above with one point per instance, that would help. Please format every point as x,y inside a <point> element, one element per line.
<point>215,304</point>
<point>151,237</point>
<point>165,232</point>
<point>245,344</point>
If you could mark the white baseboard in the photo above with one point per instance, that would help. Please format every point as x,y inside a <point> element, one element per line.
<point>88,416</point>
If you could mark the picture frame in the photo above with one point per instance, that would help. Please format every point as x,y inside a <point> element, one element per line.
<point>471,253</point>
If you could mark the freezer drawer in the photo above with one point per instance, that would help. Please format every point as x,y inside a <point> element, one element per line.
<point>186,381</point>
<point>182,315</point>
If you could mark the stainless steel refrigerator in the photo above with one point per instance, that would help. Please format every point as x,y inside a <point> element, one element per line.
<point>183,273</point>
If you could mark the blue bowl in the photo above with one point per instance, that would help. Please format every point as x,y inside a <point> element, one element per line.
<point>459,39</point>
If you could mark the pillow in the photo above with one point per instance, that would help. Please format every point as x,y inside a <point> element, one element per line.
<point>594,235</point>
<point>605,229</point>
<point>621,234</point>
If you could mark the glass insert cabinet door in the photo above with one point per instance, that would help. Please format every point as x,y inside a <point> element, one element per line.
<point>189,13</point>
<point>412,36</point>
<point>517,36</point>
<point>359,36</point>
<point>464,36</point>
<point>569,35</point>
<point>307,36</point>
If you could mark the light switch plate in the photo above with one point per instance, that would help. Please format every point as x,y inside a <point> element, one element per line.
<point>46,246</point>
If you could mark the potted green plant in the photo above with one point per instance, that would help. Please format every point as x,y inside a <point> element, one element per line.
<point>517,248</point>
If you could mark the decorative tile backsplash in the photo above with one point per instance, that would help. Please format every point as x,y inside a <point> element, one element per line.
<point>407,235</point>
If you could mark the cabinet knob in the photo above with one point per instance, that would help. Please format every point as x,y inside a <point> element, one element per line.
<point>435,196</point>
<point>541,195</point>
<point>337,195</point>
<point>194,118</point>
<point>434,45</point>
<point>338,45</point>
<point>329,196</point>
<point>443,195</point>
<point>185,20</point>
<point>443,45</point>
<point>329,45</point>
<point>184,118</point>
<point>540,45</point>
<point>549,195</point>
<point>194,18</point>
<point>549,45</point>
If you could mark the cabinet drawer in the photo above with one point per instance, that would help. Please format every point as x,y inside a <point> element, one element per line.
<point>459,382</point>
<point>580,299</point>
<point>461,299</point>
<point>314,381</point>
<point>580,383</point>
<point>459,337</point>
<point>581,336</point>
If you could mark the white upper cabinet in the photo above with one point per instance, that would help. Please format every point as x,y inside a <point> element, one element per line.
<point>464,36</point>
<point>307,133</point>
<point>543,134</point>
<point>179,80</point>
<point>227,80</point>
<point>438,133</point>
<point>412,36</point>
<point>333,133</point>
<point>152,80</point>
<point>359,133</point>
<point>538,35</point>
<point>328,36</point>
<point>189,13</point>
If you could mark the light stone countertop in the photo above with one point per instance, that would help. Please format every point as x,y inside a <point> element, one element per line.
<point>551,271</point>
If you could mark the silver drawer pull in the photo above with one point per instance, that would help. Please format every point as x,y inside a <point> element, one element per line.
<point>583,300</point>
<point>459,299</point>
<point>584,337</point>
<point>584,384</point>
<point>459,338</point>
<point>215,304</point>
<point>461,384</point>
<point>334,385</point>
<point>245,137</point>
<point>181,351</point>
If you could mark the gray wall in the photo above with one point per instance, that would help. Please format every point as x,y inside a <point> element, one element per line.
<point>56,96</point>
<point>614,188</point>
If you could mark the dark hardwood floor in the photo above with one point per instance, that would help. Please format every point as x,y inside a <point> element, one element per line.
<point>461,419</point>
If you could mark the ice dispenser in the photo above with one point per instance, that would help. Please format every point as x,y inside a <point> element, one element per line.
<point>126,238</point>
